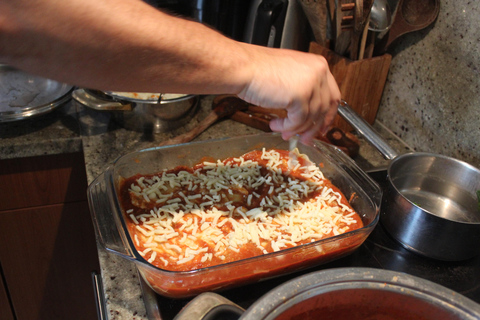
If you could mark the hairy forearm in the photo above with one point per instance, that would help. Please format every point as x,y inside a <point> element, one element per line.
<point>119,45</point>
<point>126,45</point>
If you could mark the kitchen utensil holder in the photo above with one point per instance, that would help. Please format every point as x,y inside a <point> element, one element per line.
<point>361,82</point>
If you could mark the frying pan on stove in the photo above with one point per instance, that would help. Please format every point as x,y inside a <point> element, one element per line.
<point>430,204</point>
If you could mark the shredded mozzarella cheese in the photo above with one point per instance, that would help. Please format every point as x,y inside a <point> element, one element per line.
<point>216,209</point>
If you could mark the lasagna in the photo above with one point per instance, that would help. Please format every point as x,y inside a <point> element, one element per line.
<point>215,212</point>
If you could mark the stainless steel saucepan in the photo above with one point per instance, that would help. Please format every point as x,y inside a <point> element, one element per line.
<point>430,205</point>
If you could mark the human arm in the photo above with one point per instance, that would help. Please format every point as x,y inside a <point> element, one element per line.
<point>126,45</point>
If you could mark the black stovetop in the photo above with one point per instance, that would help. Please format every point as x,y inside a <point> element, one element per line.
<point>378,251</point>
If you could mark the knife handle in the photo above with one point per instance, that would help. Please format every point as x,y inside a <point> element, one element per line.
<point>337,137</point>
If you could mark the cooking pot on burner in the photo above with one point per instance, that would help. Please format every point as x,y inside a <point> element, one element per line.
<point>141,112</point>
<point>432,202</point>
<point>341,294</point>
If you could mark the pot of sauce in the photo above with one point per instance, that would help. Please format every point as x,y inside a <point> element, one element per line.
<point>143,112</point>
<point>340,294</point>
<point>432,202</point>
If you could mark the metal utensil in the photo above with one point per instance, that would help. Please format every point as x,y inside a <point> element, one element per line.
<point>380,16</point>
<point>379,23</point>
<point>141,115</point>
<point>23,95</point>
<point>362,14</point>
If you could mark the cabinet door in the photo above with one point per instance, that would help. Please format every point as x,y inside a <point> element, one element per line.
<point>47,255</point>
<point>43,180</point>
<point>5,309</point>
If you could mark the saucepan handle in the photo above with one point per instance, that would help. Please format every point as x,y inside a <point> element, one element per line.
<point>365,130</point>
<point>92,102</point>
<point>108,229</point>
<point>209,306</point>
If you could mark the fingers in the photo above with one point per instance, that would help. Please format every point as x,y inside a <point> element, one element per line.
<point>310,134</point>
<point>313,117</point>
<point>299,82</point>
<point>329,113</point>
<point>325,104</point>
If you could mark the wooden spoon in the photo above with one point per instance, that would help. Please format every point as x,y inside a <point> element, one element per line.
<point>360,30</point>
<point>317,15</point>
<point>225,108</point>
<point>411,15</point>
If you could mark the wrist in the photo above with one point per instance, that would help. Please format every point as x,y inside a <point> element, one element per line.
<point>240,68</point>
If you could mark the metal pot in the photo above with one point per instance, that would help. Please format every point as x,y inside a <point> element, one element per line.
<point>154,115</point>
<point>430,205</point>
<point>343,293</point>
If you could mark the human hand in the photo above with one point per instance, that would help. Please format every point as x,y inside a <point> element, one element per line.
<point>296,81</point>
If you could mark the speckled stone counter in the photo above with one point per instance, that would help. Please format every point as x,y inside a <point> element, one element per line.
<point>52,133</point>
<point>432,95</point>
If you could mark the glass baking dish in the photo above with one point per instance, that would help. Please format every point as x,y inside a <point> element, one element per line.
<point>112,231</point>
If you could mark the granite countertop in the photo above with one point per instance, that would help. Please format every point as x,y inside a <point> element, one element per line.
<point>53,133</point>
<point>73,128</point>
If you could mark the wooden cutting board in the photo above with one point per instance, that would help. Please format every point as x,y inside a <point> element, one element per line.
<point>361,82</point>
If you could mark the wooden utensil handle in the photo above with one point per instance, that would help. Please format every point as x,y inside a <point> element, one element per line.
<point>225,107</point>
<point>192,134</point>
<point>346,140</point>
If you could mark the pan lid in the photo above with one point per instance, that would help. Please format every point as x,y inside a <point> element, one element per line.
<point>23,95</point>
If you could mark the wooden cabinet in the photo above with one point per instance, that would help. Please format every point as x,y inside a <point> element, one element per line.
<point>48,249</point>
<point>37,181</point>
